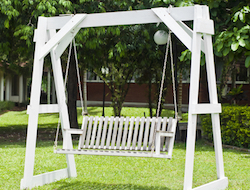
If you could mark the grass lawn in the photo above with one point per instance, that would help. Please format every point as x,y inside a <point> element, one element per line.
<point>106,172</point>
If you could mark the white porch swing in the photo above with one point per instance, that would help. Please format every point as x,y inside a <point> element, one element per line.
<point>119,136</point>
<point>54,34</point>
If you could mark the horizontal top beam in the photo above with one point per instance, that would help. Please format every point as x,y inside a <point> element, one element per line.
<point>122,18</point>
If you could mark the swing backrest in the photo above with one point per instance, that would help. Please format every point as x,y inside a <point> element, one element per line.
<point>119,133</point>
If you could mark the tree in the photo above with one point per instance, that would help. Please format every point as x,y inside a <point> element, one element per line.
<point>231,39</point>
<point>150,67</point>
<point>72,91</point>
<point>232,34</point>
<point>18,20</point>
<point>233,43</point>
<point>115,52</point>
<point>121,50</point>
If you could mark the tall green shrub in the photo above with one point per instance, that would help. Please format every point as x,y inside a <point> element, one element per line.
<point>235,125</point>
<point>6,105</point>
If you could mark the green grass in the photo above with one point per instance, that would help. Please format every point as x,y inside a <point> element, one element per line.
<point>106,172</point>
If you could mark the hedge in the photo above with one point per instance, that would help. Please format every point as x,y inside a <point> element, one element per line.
<point>6,105</point>
<point>235,126</point>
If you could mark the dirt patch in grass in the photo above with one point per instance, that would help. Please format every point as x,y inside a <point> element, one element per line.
<point>19,135</point>
<point>16,108</point>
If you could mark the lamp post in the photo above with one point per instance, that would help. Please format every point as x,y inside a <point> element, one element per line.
<point>104,72</point>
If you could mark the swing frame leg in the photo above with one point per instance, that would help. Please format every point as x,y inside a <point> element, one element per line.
<point>29,180</point>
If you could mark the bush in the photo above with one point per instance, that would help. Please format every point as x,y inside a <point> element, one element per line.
<point>235,126</point>
<point>6,105</point>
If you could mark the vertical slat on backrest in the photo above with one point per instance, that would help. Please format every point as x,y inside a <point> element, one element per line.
<point>125,132</point>
<point>169,128</point>
<point>140,134</point>
<point>104,132</point>
<point>152,126</point>
<point>145,137</point>
<point>84,128</point>
<point>131,127</point>
<point>93,134</point>
<point>163,128</point>
<point>158,125</point>
<point>86,145</point>
<point>109,132</point>
<point>119,137</point>
<point>99,132</point>
<point>137,120</point>
<point>114,133</point>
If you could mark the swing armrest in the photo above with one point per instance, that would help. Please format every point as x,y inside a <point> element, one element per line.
<point>159,134</point>
<point>74,131</point>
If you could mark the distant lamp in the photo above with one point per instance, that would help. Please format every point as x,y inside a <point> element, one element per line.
<point>161,37</point>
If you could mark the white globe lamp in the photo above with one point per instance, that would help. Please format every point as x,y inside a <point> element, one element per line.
<point>161,37</point>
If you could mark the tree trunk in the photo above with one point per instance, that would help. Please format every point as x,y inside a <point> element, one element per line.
<point>150,102</point>
<point>164,93</point>
<point>72,92</point>
<point>203,94</point>
<point>117,101</point>
<point>49,86</point>
<point>150,105</point>
<point>233,78</point>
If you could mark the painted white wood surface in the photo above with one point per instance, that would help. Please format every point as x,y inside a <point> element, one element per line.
<point>63,111</point>
<point>219,184</point>
<point>130,153</point>
<point>59,36</point>
<point>125,133</point>
<point>174,26</point>
<point>49,177</point>
<point>123,18</point>
<point>205,108</point>
<point>45,108</point>
<point>201,12</point>
<point>98,138</point>
<point>146,134</point>
<point>27,182</point>
<point>193,100</point>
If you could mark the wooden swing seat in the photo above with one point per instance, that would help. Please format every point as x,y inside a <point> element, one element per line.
<point>119,136</point>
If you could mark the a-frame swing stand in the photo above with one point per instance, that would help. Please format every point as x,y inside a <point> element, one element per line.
<point>48,40</point>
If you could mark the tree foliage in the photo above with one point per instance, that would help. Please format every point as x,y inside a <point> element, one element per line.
<point>122,50</point>
<point>232,38</point>
<point>18,19</point>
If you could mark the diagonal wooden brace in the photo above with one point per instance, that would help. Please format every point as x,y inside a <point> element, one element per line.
<point>170,22</point>
<point>61,34</point>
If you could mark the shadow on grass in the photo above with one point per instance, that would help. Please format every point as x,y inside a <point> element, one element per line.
<point>96,186</point>
<point>16,134</point>
<point>246,156</point>
<point>92,111</point>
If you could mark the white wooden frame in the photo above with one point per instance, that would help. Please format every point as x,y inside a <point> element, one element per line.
<point>196,40</point>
